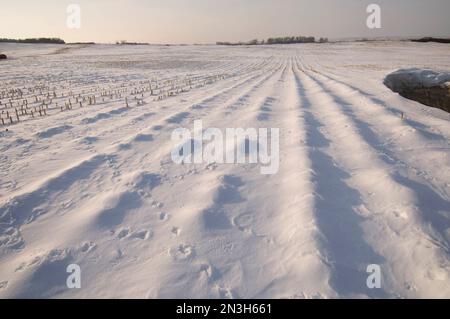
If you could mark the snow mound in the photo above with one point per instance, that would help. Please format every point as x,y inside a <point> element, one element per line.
<point>407,79</point>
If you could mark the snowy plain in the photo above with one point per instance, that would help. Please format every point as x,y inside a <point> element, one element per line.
<point>96,186</point>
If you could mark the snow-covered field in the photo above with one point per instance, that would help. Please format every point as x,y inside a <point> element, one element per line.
<point>96,186</point>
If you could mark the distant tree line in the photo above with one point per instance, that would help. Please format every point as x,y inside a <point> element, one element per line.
<point>34,40</point>
<point>124,42</point>
<point>79,43</point>
<point>431,39</point>
<point>278,40</point>
<point>289,40</point>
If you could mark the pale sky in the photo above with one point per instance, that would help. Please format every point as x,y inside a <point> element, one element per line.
<point>208,21</point>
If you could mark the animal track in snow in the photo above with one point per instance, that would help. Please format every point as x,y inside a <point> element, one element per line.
<point>141,234</point>
<point>163,216</point>
<point>207,269</point>
<point>211,166</point>
<point>210,272</point>
<point>224,293</point>
<point>176,231</point>
<point>181,252</point>
<point>123,233</point>
<point>88,247</point>
<point>243,221</point>
<point>156,204</point>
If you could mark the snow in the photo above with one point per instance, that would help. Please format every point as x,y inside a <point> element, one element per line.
<point>404,79</point>
<point>358,183</point>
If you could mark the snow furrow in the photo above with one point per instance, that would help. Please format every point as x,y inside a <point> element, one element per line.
<point>364,208</point>
<point>362,178</point>
<point>430,193</point>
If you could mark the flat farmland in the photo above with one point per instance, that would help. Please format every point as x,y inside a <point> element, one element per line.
<point>87,175</point>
